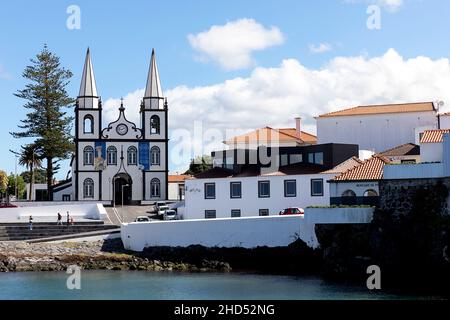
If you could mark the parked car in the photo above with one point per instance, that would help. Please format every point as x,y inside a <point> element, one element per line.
<point>289,211</point>
<point>161,207</point>
<point>142,219</point>
<point>170,215</point>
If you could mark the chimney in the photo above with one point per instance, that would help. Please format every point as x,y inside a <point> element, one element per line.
<point>298,122</point>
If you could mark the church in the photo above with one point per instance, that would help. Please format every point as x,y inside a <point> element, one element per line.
<point>123,162</point>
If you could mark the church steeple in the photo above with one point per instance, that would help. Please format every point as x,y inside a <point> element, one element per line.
<point>153,97</point>
<point>88,86</point>
<point>88,97</point>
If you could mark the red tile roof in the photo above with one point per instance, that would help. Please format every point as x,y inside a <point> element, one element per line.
<point>380,109</point>
<point>406,149</point>
<point>345,166</point>
<point>268,134</point>
<point>433,136</point>
<point>178,177</point>
<point>371,169</point>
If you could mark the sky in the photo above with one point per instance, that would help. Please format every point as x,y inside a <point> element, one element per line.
<point>230,66</point>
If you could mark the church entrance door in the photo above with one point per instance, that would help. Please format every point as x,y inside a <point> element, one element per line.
<point>122,189</point>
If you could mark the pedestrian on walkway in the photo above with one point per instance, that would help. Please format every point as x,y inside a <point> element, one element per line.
<point>30,223</point>
<point>68,219</point>
<point>59,222</point>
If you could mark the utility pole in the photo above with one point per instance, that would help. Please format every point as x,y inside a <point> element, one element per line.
<point>16,188</point>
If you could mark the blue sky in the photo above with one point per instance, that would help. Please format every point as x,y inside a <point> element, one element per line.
<point>121,35</point>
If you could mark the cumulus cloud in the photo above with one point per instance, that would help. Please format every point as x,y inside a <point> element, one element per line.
<point>274,96</point>
<point>231,45</point>
<point>320,48</point>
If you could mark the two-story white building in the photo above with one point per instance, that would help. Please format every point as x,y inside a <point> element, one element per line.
<point>377,127</point>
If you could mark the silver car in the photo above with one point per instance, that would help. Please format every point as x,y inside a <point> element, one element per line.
<point>170,215</point>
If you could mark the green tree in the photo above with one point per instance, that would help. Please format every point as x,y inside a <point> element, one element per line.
<point>31,159</point>
<point>199,164</point>
<point>47,102</point>
<point>3,182</point>
<point>40,176</point>
<point>21,186</point>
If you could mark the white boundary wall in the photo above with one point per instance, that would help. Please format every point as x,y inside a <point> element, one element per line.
<point>248,232</point>
<point>94,211</point>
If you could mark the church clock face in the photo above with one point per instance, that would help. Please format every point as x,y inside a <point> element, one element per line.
<point>122,129</point>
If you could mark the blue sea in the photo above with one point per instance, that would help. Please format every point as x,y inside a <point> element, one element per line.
<point>142,285</point>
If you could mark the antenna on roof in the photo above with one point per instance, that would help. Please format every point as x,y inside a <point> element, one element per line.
<point>438,104</point>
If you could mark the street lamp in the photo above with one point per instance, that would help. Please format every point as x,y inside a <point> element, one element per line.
<point>123,186</point>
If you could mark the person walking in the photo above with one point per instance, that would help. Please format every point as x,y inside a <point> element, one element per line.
<point>68,219</point>
<point>30,223</point>
<point>59,222</point>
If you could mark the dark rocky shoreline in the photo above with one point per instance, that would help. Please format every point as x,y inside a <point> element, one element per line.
<point>107,255</point>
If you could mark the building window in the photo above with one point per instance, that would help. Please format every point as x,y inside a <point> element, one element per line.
<point>290,188</point>
<point>88,188</point>
<point>349,193</point>
<point>111,155</point>
<point>88,156</point>
<point>296,158</point>
<point>210,190</point>
<point>263,189</point>
<point>66,197</point>
<point>370,193</point>
<point>210,214</point>
<point>155,188</point>
<point>132,156</point>
<point>316,157</point>
<point>263,212</point>
<point>154,125</point>
<point>235,190</point>
<point>284,160</point>
<point>317,187</point>
<point>155,156</point>
<point>236,213</point>
<point>408,161</point>
<point>88,124</point>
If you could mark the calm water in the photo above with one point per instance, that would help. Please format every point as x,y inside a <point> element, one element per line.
<point>153,285</point>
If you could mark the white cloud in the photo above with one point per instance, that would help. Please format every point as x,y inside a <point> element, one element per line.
<point>231,45</point>
<point>320,48</point>
<point>274,96</point>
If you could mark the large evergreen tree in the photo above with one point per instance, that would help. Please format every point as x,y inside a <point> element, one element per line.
<point>47,120</point>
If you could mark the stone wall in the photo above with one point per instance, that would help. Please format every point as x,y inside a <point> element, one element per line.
<point>398,196</point>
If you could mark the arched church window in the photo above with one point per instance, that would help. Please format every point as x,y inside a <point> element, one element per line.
<point>154,125</point>
<point>111,155</point>
<point>88,188</point>
<point>155,156</point>
<point>132,156</point>
<point>88,156</point>
<point>155,186</point>
<point>88,124</point>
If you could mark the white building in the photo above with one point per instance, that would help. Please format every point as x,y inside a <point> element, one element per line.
<point>177,186</point>
<point>432,146</point>
<point>122,160</point>
<point>219,193</point>
<point>359,185</point>
<point>377,127</point>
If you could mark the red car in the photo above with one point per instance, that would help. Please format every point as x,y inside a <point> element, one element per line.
<point>290,211</point>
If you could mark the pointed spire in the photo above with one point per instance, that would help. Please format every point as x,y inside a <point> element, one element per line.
<point>153,88</point>
<point>88,86</point>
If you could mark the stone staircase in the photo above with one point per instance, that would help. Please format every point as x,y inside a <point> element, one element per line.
<point>20,231</point>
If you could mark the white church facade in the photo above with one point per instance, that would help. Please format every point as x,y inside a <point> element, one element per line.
<point>123,162</point>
